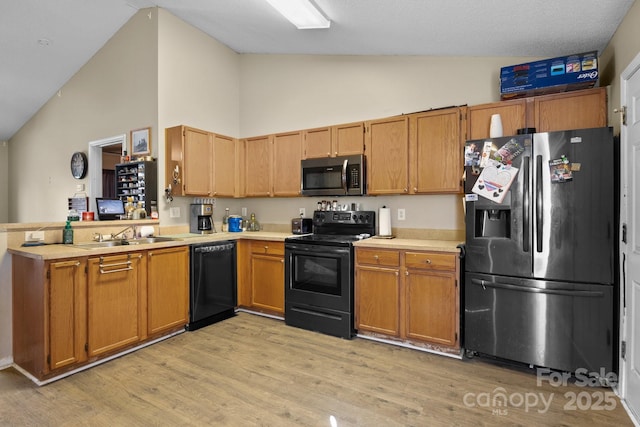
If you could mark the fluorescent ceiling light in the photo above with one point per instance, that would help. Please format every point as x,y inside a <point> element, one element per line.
<point>301,13</point>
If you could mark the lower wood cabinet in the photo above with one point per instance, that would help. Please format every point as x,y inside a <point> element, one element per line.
<point>70,312</point>
<point>115,300</point>
<point>408,295</point>
<point>167,289</point>
<point>261,276</point>
<point>67,327</point>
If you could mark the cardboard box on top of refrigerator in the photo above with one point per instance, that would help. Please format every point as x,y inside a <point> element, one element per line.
<point>565,73</point>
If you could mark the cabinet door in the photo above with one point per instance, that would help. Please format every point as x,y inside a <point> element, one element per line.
<point>571,110</point>
<point>378,300</point>
<point>513,115</point>
<point>387,150</point>
<point>348,139</point>
<point>316,143</point>
<point>267,283</point>
<point>224,166</point>
<point>258,166</point>
<point>431,313</point>
<point>67,313</point>
<point>287,153</point>
<point>167,289</point>
<point>114,302</point>
<point>436,146</point>
<point>198,162</point>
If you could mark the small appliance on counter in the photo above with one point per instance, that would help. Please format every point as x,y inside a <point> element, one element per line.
<point>201,222</point>
<point>301,225</point>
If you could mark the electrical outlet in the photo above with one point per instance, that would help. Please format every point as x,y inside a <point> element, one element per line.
<point>401,215</point>
<point>302,212</point>
<point>174,212</point>
<point>34,236</point>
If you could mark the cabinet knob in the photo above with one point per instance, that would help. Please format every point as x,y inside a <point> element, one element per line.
<point>329,154</point>
<point>406,190</point>
<point>406,272</point>
<point>415,189</point>
<point>282,261</point>
<point>335,154</point>
<point>428,261</point>
<point>376,257</point>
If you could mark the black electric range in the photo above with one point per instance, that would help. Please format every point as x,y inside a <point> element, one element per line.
<point>319,274</point>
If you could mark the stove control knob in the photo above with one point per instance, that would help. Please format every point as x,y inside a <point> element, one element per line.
<point>355,217</point>
<point>361,217</point>
<point>368,218</point>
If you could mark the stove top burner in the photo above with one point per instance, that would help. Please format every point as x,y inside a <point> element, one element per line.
<point>338,228</point>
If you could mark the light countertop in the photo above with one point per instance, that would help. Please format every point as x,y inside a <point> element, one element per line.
<point>60,251</point>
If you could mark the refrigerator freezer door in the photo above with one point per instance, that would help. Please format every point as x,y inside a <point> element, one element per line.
<point>498,235</point>
<point>558,325</point>
<point>573,220</point>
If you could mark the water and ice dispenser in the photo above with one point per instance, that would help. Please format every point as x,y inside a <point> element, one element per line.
<point>492,222</point>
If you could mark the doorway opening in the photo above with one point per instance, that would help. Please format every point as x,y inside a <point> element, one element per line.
<point>104,154</point>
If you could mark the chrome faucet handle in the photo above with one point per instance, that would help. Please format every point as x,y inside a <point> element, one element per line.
<point>98,237</point>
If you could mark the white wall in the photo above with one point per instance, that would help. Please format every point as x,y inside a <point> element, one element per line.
<point>198,86</point>
<point>289,92</point>
<point>4,181</point>
<point>115,92</point>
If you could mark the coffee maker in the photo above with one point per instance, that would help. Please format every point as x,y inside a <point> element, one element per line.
<point>201,222</point>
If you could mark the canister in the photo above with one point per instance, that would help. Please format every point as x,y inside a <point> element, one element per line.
<point>235,223</point>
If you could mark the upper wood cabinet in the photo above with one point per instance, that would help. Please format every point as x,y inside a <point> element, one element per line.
<point>225,166</point>
<point>316,143</point>
<point>571,110</point>
<point>513,115</point>
<point>201,163</point>
<point>272,165</point>
<point>387,151</point>
<point>189,161</point>
<point>331,141</point>
<point>546,113</point>
<point>287,153</point>
<point>257,166</point>
<point>436,140</point>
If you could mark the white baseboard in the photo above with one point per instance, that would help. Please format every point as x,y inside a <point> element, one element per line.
<point>6,362</point>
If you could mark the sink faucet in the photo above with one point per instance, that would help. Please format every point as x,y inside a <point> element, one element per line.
<point>131,227</point>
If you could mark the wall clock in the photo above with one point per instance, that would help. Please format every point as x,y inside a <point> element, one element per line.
<point>78,165</point>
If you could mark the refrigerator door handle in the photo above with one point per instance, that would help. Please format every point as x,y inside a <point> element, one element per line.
<point>497,285</point>
<point>526,203</point>
<point>539,205</point>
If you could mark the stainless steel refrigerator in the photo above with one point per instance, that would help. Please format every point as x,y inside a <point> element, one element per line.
<point>540,265</point>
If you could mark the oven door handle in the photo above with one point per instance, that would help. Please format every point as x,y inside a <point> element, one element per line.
<point>344,176</point>
<point>320,249</point>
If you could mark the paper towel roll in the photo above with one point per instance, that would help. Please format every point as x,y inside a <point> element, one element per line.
<point>384,222</point>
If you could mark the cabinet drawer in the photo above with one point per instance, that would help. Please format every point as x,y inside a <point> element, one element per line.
<point>378,257</point>
<point>267,248</point>
<point>430,260</point>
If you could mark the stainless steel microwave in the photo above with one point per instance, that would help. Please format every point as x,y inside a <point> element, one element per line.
<point>333,176</point>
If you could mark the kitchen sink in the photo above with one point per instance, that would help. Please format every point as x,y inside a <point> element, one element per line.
<point>143,240</point>
<point>111,243</point>
<point>96,245</point>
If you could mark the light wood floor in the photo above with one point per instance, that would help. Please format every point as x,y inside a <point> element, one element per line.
<point>251,370</point>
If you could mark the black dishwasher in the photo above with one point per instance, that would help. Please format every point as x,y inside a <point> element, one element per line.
<point>212,293</point>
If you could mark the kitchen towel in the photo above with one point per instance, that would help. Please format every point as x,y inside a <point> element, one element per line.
<point>384,221</point>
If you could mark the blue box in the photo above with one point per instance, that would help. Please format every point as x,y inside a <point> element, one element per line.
<point>565,73</point>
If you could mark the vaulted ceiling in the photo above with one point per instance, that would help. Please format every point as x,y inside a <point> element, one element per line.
<point>44,43</point>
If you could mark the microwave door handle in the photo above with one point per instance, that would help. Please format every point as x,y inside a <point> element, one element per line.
<point>344,175</point>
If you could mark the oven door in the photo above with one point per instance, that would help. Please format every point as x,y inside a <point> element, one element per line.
<point>319,276</point>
